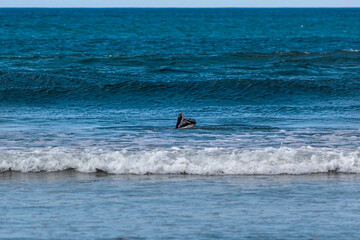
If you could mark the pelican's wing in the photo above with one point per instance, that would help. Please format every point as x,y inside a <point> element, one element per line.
<point>187,122</point>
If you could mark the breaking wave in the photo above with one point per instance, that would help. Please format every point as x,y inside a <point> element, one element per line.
<point>207,161</point>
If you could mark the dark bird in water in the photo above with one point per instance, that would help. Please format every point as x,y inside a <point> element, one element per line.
<point>185,123</point>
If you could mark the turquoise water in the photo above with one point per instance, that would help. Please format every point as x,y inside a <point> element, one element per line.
<point>85,92</point>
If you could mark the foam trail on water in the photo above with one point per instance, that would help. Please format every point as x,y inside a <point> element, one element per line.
<point>207,161</point>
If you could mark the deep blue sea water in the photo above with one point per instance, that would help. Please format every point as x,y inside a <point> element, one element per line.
<point>89,92</point>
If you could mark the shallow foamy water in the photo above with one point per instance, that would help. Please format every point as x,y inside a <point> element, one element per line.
<point>69,205</point>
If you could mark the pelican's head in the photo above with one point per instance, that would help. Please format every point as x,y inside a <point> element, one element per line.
<point>180,118</point>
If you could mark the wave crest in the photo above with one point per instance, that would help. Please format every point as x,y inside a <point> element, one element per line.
<point>207,161</point>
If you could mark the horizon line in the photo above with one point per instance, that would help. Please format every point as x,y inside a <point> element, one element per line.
<point>176,7</point>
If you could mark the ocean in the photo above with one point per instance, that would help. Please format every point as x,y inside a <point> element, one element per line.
<point>89,100</point>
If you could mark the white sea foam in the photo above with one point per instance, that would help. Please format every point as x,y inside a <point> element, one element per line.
<point>351,50</point>
<point>212,161</point>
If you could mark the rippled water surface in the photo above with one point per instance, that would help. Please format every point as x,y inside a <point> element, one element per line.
<point>70,205</point>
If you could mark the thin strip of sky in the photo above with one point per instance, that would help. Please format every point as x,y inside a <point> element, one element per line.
<point>179,3</point>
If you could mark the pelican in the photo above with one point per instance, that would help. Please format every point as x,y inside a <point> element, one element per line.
<point>185,123</point>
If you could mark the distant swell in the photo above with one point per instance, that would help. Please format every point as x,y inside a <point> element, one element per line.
<point>207,161</point>
<point>284,76</point>
<point>49,89</point>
